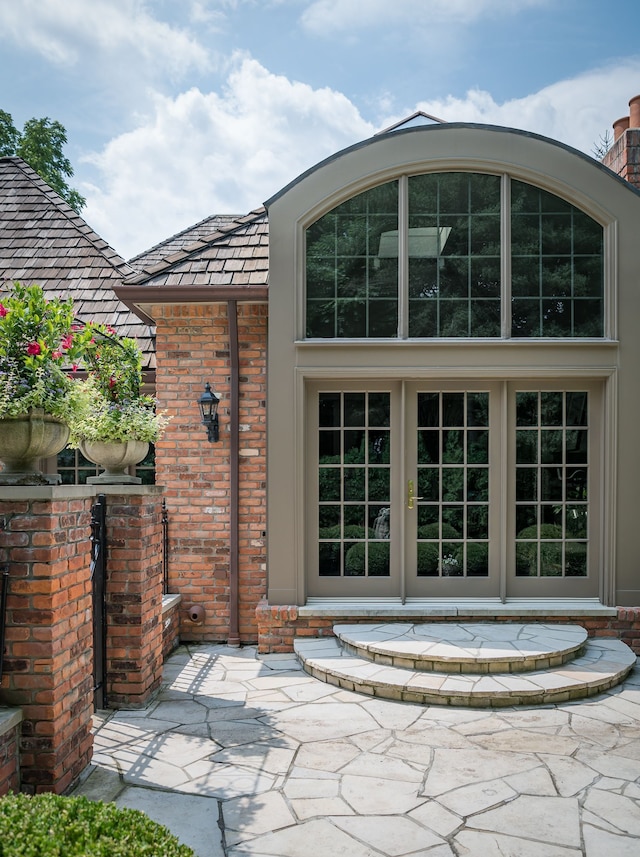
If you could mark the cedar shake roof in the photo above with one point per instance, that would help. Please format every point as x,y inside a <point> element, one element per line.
<point>44,241</point>
<point>221,258</point>
<point>182,240</point>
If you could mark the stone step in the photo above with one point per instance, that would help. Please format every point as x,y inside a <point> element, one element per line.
<point>483,647</point>
<point>605,663</point>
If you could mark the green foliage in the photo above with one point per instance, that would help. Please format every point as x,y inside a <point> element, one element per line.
<point>114,408</point>
<point>378,565</point>
<point>40,144</point>
<point>38,340</point>
<point>48,825</point>
<point>9,135</point>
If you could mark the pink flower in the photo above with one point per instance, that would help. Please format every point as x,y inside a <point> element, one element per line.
<point>56,355</point>
<point>67,341</point>
<point>33,348</point>
<point>110,329</point>
<point>3,311</point>
<point>74,367</point>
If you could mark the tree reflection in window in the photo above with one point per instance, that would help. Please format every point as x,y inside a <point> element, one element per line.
<point>453,271</point>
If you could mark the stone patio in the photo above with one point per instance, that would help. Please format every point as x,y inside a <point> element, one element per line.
<point>246,755</point>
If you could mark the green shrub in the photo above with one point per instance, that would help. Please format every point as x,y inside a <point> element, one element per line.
<point>48,825</point>
<point>378,560</point>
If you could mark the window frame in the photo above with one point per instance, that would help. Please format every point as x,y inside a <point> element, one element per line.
<point>609,327</point>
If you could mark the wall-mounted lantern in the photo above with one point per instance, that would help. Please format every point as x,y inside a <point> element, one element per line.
<point>208,403</point>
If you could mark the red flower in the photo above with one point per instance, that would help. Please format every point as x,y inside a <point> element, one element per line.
<point>3,311</point>
<point>67,341</point>
<point>74,367</point>
<point>33,348</point>
<point>112,382</point>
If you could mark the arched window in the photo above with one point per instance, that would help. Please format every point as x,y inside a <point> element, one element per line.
<point>454,255</point>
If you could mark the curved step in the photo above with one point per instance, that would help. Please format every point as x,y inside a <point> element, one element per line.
<point>481,647</point>
<point>605,663</point>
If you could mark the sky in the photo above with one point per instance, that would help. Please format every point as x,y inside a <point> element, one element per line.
<point>179,109</point>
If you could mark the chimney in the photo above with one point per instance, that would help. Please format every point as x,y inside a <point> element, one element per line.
<point>620,126</point>
<point>624,155</point>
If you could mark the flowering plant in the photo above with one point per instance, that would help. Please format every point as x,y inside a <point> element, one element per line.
<point>38,341</point>
<point>114,407</point>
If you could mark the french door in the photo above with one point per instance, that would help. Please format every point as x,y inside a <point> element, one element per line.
<point>432,489</point>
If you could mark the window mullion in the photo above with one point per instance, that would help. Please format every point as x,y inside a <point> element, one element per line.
<point>403,258</point>
<point>505,254</point>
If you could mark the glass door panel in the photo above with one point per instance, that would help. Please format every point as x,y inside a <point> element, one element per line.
<point>354,548</point>
<point>553,543</point>
<point>450,517</point>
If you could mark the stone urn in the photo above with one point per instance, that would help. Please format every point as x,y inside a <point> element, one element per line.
<point>114,457</point>
<point>25,439</point>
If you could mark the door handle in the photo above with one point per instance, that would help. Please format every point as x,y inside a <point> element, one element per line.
<point>411,494</point>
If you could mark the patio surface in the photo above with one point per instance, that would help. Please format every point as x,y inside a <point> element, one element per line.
<point>245,755</point>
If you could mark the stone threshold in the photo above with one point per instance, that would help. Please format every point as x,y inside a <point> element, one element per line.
<point>461,607</point>
<point>170,601</point>
<point>9,718</point>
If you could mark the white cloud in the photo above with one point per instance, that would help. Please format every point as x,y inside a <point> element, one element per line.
<point>210,153</point>
<point>74,31</point>
<point>226,152</point>
<point>575,111</point>
<point>325,17</point>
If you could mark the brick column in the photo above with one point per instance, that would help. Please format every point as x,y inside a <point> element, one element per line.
<point>44,539</point>
<point>134,593</point>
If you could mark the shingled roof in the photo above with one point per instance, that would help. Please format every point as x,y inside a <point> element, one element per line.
<point>222,257</point>
<point>200,231</point>
<point>44,241</point>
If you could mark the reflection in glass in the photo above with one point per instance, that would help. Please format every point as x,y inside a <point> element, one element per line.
<point>561,484</point>
<point>354,492</point>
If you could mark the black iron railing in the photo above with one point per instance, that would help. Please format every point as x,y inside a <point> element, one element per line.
<point>165,548</point>
<point>4,573</point>
<point>98,581</point>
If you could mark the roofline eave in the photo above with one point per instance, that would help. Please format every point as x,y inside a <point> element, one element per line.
<point>140,298</point>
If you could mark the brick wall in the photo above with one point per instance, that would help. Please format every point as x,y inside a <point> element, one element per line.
<point>9,749</point>
<point>193,346</point>
<point>133,594</point>
<point>48,661</point>
<point>170,624</point>
<point>278,625</point>
<point>624,156</point>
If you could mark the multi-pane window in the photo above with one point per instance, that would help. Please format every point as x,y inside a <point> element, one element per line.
<point>552,484</point>
<point>556,267</point>
<point>453,484</point>
<point>437,256</point>
<point>354,484</point>
<point>454,255</point>
<point>352,267</point>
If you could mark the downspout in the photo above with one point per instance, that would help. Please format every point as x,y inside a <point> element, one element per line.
<point>234,486</point>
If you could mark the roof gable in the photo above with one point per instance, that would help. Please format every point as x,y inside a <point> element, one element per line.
<point>44,241</point>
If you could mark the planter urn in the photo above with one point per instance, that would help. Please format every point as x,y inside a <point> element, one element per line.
<point>25,439</point>
<point>114,457</point>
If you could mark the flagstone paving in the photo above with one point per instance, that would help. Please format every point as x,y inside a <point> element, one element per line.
<point>243,755</point>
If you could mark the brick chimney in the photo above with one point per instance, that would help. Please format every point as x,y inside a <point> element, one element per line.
<point>624,155</point>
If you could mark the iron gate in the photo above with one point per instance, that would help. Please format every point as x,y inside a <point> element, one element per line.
<point>98,577</point>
